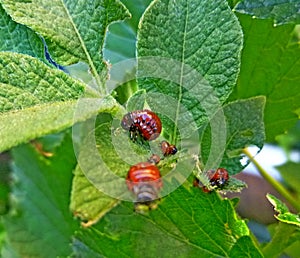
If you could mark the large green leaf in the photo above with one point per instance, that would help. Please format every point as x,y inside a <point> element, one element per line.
<point>73,31</point>
<point>187,223</point>
<point>270,67</point>
<point>18,38</point>
<point>36,100</point>
<point>194,49</point>
<point>97,193</point>
<point>105,153</point>
<point>40,223</point>
<point>286,11</point>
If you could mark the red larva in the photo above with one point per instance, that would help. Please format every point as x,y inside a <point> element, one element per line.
<point>216,178</point>
<point>144,180</point>
<point>167,148</point>
<point>143,123</point>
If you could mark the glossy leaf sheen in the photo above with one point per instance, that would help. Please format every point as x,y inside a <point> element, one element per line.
<point>280,11</point>
<point>186,224</point>
<point>40,224</point>
<point>276,75</point>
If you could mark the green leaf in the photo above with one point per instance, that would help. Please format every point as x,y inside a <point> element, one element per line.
<point>5,177</point>
<point>189,52</point>
<point>87,202</point>
<point>120,41</point>
<point>18,38</point>
<point>280,11</point>
<point>276,75</point>
<point>244,248</point>
<point>289,173</point>
<point>40,223</point>
<point>293,249</point>
<point>232,3</point>
<point>290,139</point>
<point>137,101</point>
<point>29,123</point>
<point>73,31</point>
<point>283,237</point>
<point>187,223</point>
<point>105,153</point>
<point>99,180</point>
<point>244,127</point>
<point>25,81</point>
<point>81,250</point>
<point>283,212</point>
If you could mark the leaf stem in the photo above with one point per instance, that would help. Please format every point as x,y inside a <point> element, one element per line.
<point>276,184</point>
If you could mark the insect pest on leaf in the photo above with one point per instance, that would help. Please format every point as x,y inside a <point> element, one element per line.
<point>142,123</point>
<point>217,179</point>
<point>168,149</point>
<point>144,181</point>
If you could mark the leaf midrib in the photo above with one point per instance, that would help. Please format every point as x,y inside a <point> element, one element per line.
<point>90,61</point>
<point>174,139</point>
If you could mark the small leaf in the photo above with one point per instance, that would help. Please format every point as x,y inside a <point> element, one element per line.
<point>120,41</point>
<point>275,76</point>
<point>280,11</point>
<point>234,185</point>
<point>244,127</point>
<point>186,223</point>
<point>188,54</point>
<point>40,224</point>
<point>283,212</point>
<point>18,38</point>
